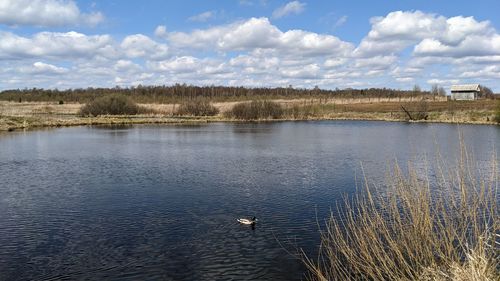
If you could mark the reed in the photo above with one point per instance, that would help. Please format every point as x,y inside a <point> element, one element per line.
<point>416,228</point>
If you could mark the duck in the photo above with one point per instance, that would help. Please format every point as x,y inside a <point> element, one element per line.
<point>251,221</point>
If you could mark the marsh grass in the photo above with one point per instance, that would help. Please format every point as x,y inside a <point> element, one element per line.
<point>443,228</point>
<point>197,107</point>
<point>300,112</point>
<point>112,105</point>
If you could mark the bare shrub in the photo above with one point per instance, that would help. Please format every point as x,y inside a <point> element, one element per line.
<point>111,105</point>
<point>256,110</point>
<point>422,111</point>
<point>197,107</point>
<point>416,229</point>
<point>419,110</point>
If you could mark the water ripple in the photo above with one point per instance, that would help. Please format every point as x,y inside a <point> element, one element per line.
<point>160,203</point>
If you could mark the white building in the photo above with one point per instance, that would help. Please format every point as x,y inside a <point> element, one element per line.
<point>465,92</point>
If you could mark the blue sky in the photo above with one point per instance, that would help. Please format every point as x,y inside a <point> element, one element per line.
<point>70,44</point>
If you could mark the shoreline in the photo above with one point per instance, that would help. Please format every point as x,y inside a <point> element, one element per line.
<point>32,115</point>
<point>10,124</point>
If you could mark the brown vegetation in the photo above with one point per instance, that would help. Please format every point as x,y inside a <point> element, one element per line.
<point>256,110</point>
<point>444,229</point>
<point>15,115</point>
<point>111,105</point>
<point>197,107</point>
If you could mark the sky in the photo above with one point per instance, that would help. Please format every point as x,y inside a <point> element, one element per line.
<point>254,43</point>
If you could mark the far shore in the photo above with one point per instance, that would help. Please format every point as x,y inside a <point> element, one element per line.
<point>29,115</point>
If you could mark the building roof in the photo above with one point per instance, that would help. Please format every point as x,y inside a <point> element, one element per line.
<point>466,87</point>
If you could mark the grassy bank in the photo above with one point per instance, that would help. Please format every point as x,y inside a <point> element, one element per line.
<point>434,224</point>
<point>19,123</point>
<point>15,115</point>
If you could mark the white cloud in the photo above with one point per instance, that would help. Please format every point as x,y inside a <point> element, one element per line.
<point>177,65</point>
<point>161,31</point>
<point>473,45</point>
<point>309,43</point>
<point>127,66</point>
<point>405,79</point>
<point>401,25</point>
<point>54,44</point>
<point>254,33</point>
<point>252,61</point>
<point>481,60</point>
<point>43,68</point>
<point>192,66</point>
<point>311,71</point>
<point>488,72</point>
<point>396,31</point>
<point>259,33</point>
<point>139,45</point>
<point>377,62</point>
<point>443,82</point>
<point>255,65</point>
<point>430,34</point>
<point>203,17</point>
<point>291,8</point>
<point>45,13</point>
<point>254,52</point>
<point>198,39</point>
<point>249,34</point>
<point>334,62</point>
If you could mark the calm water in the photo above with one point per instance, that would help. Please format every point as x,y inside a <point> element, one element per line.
<point>160,203</point>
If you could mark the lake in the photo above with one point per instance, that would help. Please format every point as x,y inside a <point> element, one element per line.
<point>154,202</point>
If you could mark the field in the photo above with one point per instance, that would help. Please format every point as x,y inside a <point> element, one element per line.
<point>19,115</point>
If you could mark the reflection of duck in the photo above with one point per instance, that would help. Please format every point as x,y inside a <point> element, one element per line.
<point>248,221</point>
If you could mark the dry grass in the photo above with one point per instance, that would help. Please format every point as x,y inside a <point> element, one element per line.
<point>37,108</point>
<point>444,229</point>
<point>15,115</point>
<point>161,109</point>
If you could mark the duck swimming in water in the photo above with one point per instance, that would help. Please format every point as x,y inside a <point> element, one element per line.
<point>251,221</point>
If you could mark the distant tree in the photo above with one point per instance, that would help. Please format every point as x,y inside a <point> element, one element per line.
<point>417,89</point>
<point>485,92</point>
<point>179,93</point>
<point>435,89</point>
<point>441,92</point>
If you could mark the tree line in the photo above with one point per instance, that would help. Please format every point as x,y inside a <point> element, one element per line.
<point>180,92</point>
